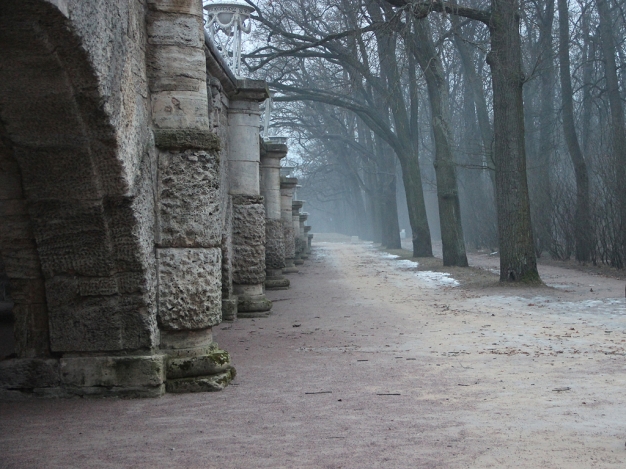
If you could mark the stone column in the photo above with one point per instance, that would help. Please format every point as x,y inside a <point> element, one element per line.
<point>248,210</point>
<point>271,154</point>
<point>303,237</point>
<point>287,186</point>
<point>188,233</point>
<point>308,237</point>
<point>295,217</point>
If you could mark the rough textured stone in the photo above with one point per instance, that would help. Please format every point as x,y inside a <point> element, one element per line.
<point>274,244</point>
<point>190,292</point>
<point>248,240</point>
<point>229,309</point>
<point>92,324</point>
<point>26,373</point>
<point>203,384</point>
<point>252,307</point>
<point>204,365</point>
<point>184,139</point>
<point>277,283</point>
<point>290,243</point>
<point>122,372</point>
<point>189,211</point>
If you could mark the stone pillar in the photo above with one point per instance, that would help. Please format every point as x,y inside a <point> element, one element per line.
<point>188,233</point>
<point>308,237</point>
<point>248,210</point>
<point>303,237</point>
<point>295,217</point>
<point>271,154</point>
<point>287,186</point>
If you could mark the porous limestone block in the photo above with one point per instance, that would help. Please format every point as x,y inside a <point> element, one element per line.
<point>30,330</point>
<point>176,68</point>
<point>116,372</point>
<point>248,240</point>
<point>229,309</point>
<point>29,373</point>
<point>184,7</point>
<point>202,384</point>
<point>216,362</point>
<point>165,29</point>
<point>97,323</point>
<point>189,200</point>
<point>274,244</point>
<point>190,290</point>
<point>290,241</point>
<point>181,109</point>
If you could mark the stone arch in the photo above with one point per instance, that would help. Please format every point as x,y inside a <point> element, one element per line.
<point>76,203</point>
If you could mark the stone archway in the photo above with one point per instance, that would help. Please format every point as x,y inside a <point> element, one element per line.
<point>76,204</point>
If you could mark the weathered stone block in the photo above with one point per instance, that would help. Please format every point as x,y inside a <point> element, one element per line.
<point>124,372</point>
<point>181,109</point>
<point>28,373</point>
<point>203,384</point>
<point>189,210</point>
<point>15,227</point>
<point>21,259</point>
<point>175,30</point>
<point>184,7</point>
<point>229,309</point>
<point>97,286</point>
<point>290,242</point>
<point>10,186</point>
<point>248,265</point>
<point>72,237</point>
<point>190,291</point>
<point>204,365</point>
<point>64,173</point>
<point>95,324</point>
<point>175,68</point>
<point>186,139</point>
<point>31,330</point>
<point>28,291</point>
<point>274,244</point>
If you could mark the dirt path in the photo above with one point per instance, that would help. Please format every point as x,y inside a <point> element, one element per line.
<point>368,363</point>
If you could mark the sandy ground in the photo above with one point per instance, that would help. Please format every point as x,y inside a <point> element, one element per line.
<point>369,362</point>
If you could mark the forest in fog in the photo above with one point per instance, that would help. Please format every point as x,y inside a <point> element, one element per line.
<point>501,121</point>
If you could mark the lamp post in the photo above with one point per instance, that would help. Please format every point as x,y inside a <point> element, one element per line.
<point>227,23</point>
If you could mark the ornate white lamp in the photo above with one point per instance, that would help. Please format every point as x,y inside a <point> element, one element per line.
<point>227,23</point>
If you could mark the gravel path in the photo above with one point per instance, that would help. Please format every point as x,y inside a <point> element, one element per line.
<point>368,362</point>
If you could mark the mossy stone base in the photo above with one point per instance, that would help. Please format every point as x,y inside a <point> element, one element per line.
<point>214,363</point>
<point>290,270</point>
<point>187,139</point>
<point>277,283</point>
<point>252,305</point>
<point>299,262</point>
<point>201,384</point>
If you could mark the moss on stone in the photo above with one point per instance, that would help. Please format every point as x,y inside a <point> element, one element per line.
<point>185,139</point>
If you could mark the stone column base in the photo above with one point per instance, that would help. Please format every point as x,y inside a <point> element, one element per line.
<point>195,363</point>
<point>229,309</point>
<point>277,283</point>
<point>299,261</point>
<point>252,301</point>
<point>290,267</point>
<point>128,376</point>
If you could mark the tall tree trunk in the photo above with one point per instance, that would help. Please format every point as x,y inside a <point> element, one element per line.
<point>543,210</point>
<point>518,261</point>
<point>480,101</point>
<point>389,206</point>
<point>618,127</point>
<point>582,220</point>
<point>452,239</point>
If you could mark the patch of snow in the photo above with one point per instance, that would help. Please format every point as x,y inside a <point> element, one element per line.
<point>437,279</point>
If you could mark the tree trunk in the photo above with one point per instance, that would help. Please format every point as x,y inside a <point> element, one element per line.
<point>518,261</point>
<point>618,127</point>
<point>543,209</point>
<point>582,220</point>
<point>452,239</point>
